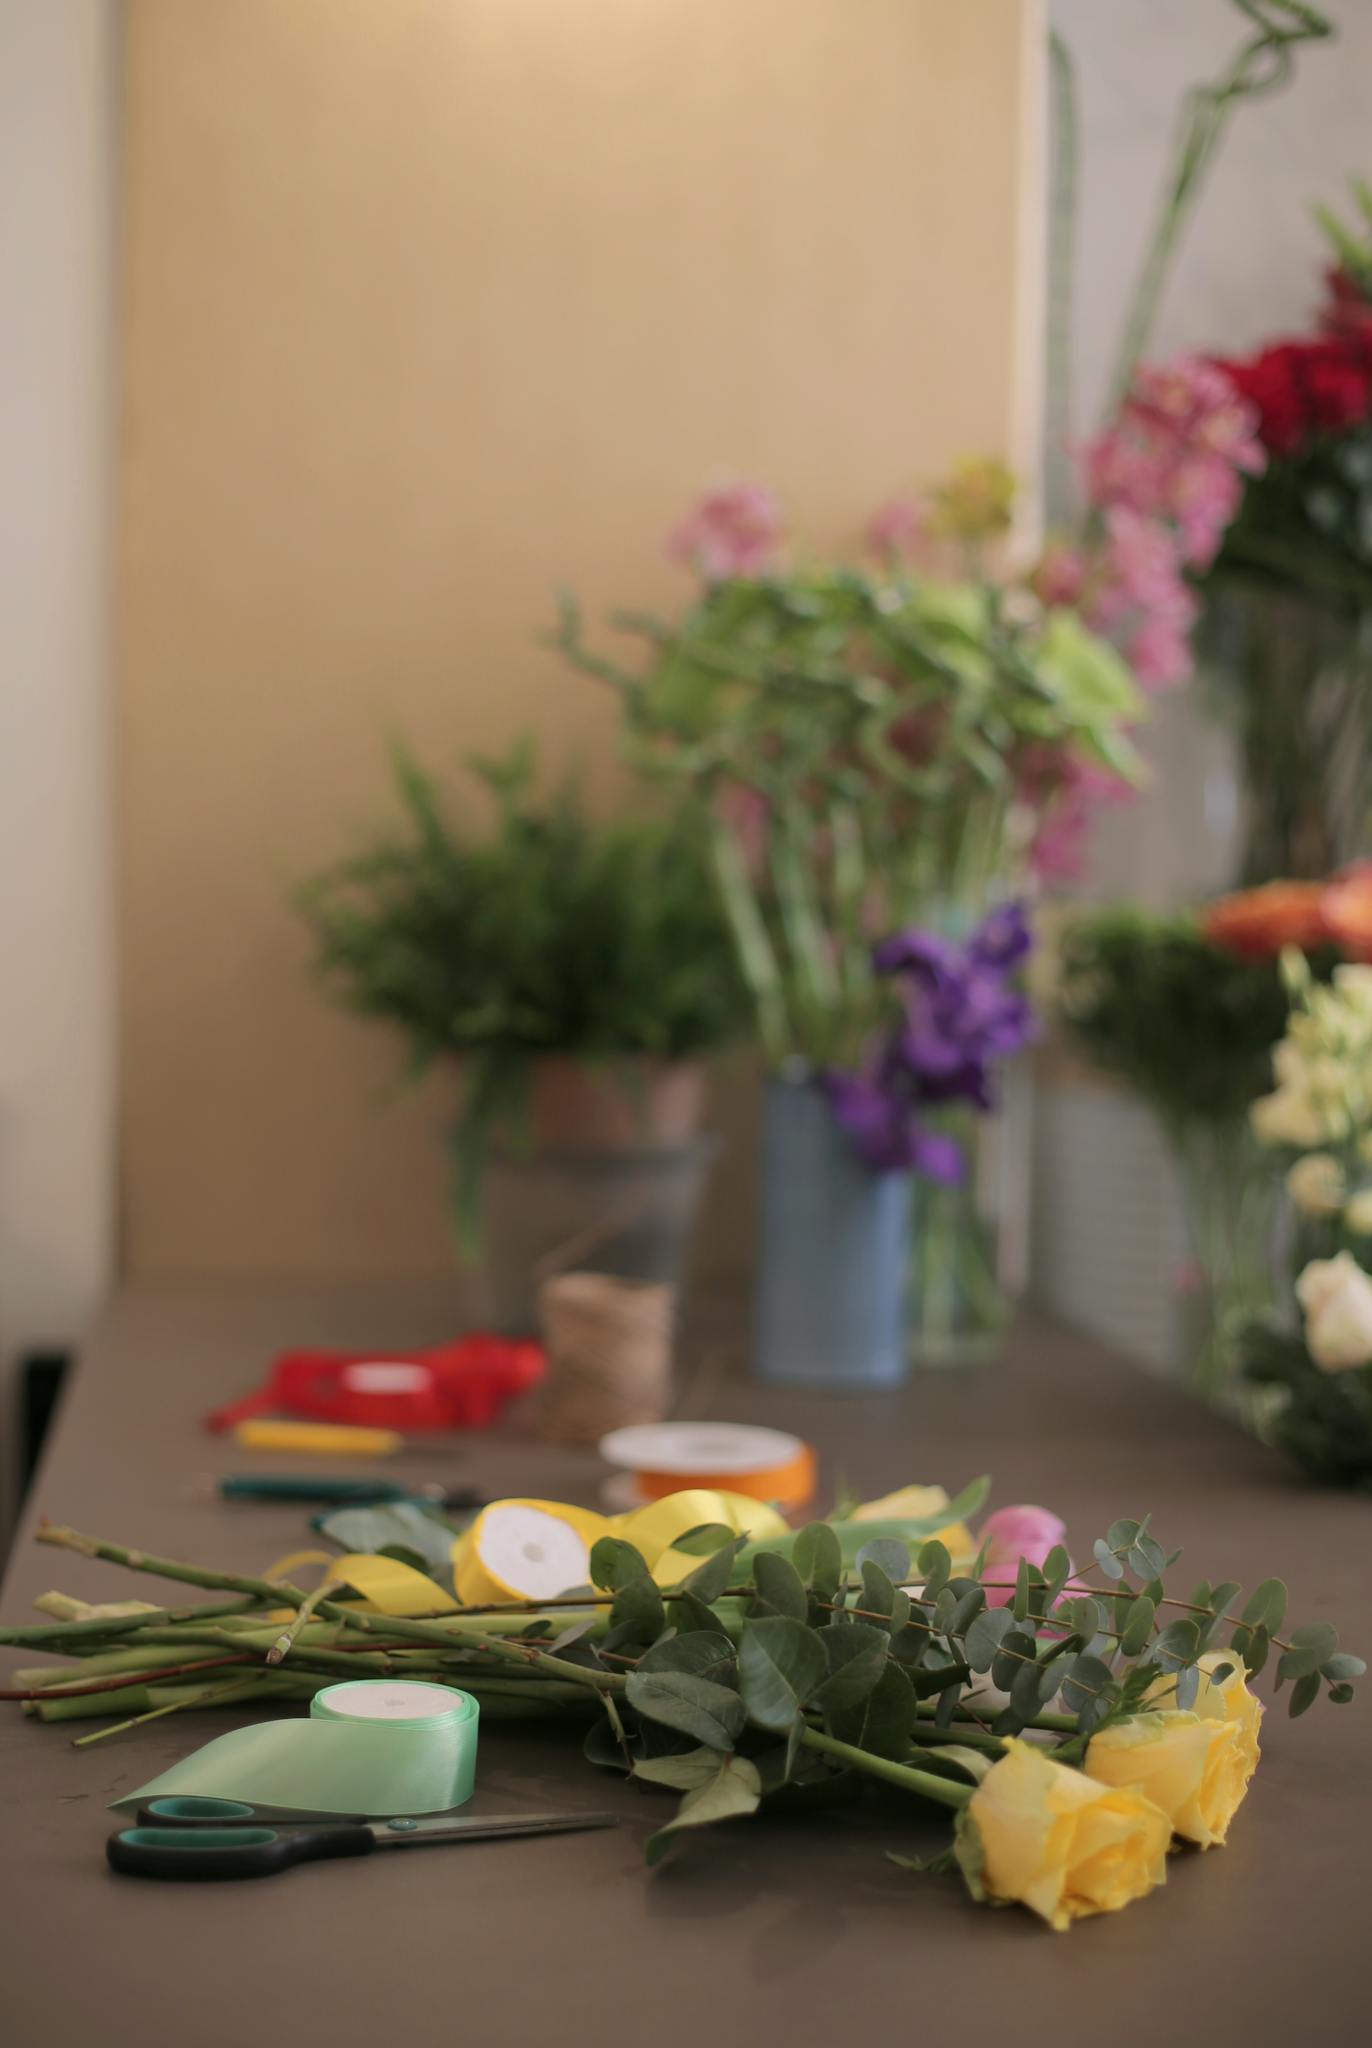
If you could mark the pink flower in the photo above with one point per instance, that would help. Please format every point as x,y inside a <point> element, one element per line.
<point>1007,1536</point>
<point>1060,574</point>
<point>1159,654</point>
<point>1068,790</point>
<point>898,528</point>
<point>733,531</point>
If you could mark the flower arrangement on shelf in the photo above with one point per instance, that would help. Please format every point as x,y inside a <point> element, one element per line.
<point>570,971</point>
<point>1184,1007</point>
<point>880,752</point>
<point>1075,1721</point>
<point>1290,627</point>
<point>1318,1365</point>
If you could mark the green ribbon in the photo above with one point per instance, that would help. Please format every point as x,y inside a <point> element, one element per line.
<point>377,1747</point>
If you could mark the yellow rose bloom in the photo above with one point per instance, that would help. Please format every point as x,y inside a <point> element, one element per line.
<point>1190,1767</point>
<point>1052,1839</point>
<point>916,1502</point>
<point>1229,1699</point>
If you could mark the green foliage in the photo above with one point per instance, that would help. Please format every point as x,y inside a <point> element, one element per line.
<point>494,924</point>
<point>875,729</point>
<point>798,1672</point>
<point>1321,1419</point>
<point>1187,1025</point>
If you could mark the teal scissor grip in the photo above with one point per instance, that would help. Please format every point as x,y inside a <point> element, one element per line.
<point>188,1812</point>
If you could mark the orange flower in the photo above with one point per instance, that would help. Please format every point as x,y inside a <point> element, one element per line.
<point>1346,908</point>
<point>1257,923</point>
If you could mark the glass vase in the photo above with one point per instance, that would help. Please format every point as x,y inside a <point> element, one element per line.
<point>1295,680</point>
<point>1232,1205</point>
<point>959,1299</point>
<point>832,1249</point>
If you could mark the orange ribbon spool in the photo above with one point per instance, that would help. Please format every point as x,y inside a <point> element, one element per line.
<point>764,1464</point>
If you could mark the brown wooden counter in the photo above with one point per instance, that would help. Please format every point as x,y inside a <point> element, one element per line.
<point>772,1932</point>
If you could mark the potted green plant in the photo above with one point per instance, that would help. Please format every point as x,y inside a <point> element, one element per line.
<point>573,972</point>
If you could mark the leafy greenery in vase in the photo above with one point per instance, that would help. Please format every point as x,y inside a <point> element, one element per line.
<point>492,941</point>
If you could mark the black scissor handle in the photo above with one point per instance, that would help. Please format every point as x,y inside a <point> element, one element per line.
<point>207,1852</point>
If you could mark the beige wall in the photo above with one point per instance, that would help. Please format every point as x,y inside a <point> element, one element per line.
<point>57,71</point>
<point>431,306</point>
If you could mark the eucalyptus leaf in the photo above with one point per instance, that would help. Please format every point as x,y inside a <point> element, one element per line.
<point>818,1558</point>
<point>684,1772</point>
<point>1106,1559</point>
<point>638,1613</point>
<point>714,1714</point>
<point>615,1563</point>
<point>1138,1626</point>
<point>883,1721</point>
<point>733,1790</point>
<point>368,1531</point>
<point>781,1663</point>
<point>986,1635</point>
<point>709,1580</point>
<point>1266,1607</point>
<point>1304,1694</point>
<point>1177,1644</point>
<point>878,1592</point>
<point>781,1587</point>
<point>892,1558</point>
<point>705,1653</point>
<point>1309,1649</point>
<point>1188,1687</point>
<point>856,1655</point>
<point>935,1567</point>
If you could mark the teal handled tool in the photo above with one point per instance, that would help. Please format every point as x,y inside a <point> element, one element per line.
<point>228,1813</point>
<point>226,1847</point>
<point>325,1491</point>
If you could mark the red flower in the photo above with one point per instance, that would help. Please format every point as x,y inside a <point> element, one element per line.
<point>1347,311</point>
<point>1304,388</point>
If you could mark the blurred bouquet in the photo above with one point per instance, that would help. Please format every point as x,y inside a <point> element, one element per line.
<point>1319,1117</point>
<point>1291,587</point>
<point>879,748</point>
<point>881,751</point>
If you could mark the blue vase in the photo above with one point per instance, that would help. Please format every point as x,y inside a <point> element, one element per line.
<point>833,1247</point>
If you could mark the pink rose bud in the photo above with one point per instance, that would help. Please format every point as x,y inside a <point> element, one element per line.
<point>1010,1534</point>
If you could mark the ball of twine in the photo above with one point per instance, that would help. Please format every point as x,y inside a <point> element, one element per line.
<point>609,1346</point>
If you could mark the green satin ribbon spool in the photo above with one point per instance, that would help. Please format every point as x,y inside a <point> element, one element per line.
<point>372,1746</point>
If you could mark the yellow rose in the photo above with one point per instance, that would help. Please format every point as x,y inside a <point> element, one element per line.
<point>1225,1699</point>
<point>1189,1766</point>
<point>1057,1841</point>
<point>916,1502</point>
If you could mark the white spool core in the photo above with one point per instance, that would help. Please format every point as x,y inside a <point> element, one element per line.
<point>688,1448</point>
<point>535,1553</point>
<point>406,1700</point>
<point>386,1376</point>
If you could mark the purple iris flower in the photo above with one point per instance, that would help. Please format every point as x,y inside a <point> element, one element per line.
<point>962,1015</point>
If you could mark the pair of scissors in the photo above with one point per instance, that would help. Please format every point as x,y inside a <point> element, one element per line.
<point>217,1838</point>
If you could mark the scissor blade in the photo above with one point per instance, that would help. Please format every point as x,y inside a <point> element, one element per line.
<point>486,1826</point>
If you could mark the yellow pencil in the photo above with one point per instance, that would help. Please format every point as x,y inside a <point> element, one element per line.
<point>319,1439</point>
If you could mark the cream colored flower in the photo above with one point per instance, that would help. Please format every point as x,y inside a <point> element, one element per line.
<point>1357,1215</point>
<point>1336,1296</point>
<point>1189,1765</point>
<point>1063,1844</point>
<point>1289,1116</point>
<point>1316,1184</point>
